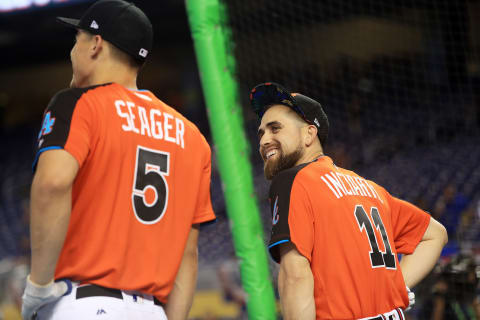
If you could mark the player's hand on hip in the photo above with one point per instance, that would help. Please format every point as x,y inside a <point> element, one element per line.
<point>411,299</point>
<point>35,296</point>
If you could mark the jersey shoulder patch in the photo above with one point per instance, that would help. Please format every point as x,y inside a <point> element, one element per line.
<point>63,102</point>
<point>57,119</point>
<point>279,196</point>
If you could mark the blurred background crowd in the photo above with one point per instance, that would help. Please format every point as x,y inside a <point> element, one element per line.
<point>399,81</point>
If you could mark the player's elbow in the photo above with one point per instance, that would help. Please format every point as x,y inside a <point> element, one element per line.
<point>292,274</point>
<point>440,233</point>
<point>191,254</point>
<point>443,235</point>
<point>51,182</point>
<point>436,232</point>
<point>190,258</point>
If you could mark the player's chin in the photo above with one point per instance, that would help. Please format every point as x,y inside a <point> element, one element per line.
<point>269,169</point>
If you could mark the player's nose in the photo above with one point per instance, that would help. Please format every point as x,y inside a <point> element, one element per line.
<point>265,142</point>
<point>265,139</point>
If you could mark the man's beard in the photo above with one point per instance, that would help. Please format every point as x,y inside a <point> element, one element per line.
<point>284,161</point>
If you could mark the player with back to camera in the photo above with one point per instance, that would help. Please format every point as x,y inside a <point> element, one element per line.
<point>335,234</point>
<point>121,184</point>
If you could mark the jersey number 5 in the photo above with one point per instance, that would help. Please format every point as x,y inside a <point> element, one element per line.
<point>150,188</point>
<point>377,258</point>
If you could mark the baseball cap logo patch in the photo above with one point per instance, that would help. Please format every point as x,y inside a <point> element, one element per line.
<point>94,25</point>
<point>143,52</point>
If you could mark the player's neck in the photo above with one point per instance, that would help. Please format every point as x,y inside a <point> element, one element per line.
<point>114,72</point>
<point>310,155</point>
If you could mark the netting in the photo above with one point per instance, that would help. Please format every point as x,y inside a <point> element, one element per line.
<point>399,82</point>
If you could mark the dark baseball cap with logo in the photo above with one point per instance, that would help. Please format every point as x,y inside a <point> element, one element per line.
<point>120,23</point>
<point>267,94</point>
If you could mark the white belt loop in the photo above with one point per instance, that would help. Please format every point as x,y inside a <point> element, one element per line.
<point>137,297</point>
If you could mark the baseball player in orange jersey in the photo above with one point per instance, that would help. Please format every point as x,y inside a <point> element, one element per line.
<point>121,184</point>
<point>336,235</point>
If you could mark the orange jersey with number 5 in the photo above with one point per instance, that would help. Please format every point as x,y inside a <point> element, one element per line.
<point>144,179</point>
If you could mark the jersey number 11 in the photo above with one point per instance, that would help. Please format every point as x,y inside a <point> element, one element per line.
<point>377,258</point>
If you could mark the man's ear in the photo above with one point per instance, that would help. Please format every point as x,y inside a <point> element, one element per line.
<point>97,45</point>
<point>310,135</point>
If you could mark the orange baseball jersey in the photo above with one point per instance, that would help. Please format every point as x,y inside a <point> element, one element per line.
<point>351,231</point>
<point>144,179</point>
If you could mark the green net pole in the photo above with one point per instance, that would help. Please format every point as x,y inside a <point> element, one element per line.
<point>216,63</point>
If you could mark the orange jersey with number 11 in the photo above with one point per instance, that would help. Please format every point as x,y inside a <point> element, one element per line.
<point>351,230</point>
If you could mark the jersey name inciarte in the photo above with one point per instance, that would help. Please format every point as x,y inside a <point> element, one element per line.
<point>344,184</point>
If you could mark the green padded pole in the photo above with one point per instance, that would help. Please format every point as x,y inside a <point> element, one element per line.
<point>216,64</point>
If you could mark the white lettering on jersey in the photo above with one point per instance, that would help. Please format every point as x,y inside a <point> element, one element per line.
<point>358,185</point>
<point>131,105</point>
<point>375,194</point>
<point>340,175</point>
<point>167,126</point>
<point>362,186</point>
<point>180,131</point>
<point>328,184</point>
<point>352,190</point>
<point>144,127</point>
<point>150,122</point>
<point>157,131</point>
<point>118,105</point>
<point>336,183</point>
<point>355,187</point>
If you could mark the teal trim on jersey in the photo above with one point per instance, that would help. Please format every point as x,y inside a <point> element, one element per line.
<point>278,242</point>
<point>216,63</point>
<point>139,90</point>
<point>273,245</point>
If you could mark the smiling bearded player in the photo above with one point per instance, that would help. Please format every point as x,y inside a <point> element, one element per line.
<point>336,235</point>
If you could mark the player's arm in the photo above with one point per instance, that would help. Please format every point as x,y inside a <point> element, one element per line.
<point>181,297</point>
<point>50,208</point>
<point>417,265</point>
<point>295,284</point>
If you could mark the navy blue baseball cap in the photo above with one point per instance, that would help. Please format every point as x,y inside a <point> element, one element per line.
<point>120,23</point>
<point>267,94</point>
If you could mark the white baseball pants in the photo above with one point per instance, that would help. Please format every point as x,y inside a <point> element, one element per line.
<point>131,305</point>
